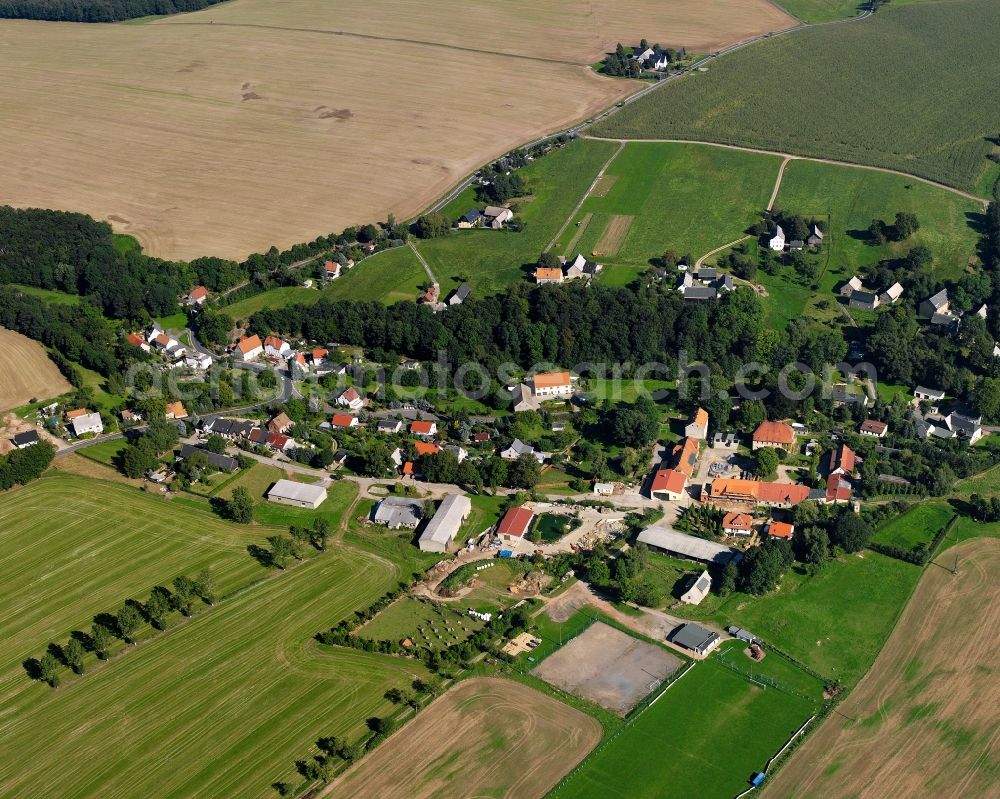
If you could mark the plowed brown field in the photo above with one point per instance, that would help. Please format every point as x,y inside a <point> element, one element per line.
<point>484,737</point>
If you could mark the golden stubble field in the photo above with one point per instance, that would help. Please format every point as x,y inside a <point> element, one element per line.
<point>925,720</point>
<point>262,122</point>
<point>484,737</point>
<point>26,371</point>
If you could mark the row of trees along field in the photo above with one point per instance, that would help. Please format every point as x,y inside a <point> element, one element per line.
<point>96,10</point>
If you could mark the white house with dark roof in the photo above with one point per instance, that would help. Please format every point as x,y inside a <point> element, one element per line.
<point>700,586</point>
<point>777,240</point>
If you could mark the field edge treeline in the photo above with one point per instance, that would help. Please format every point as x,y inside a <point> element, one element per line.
<point>97,10</point>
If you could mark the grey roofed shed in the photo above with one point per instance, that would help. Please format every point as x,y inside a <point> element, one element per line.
<point>288,492</point>
<point>695,637</point>
<point>395,512</point>
<point>688,546</point>
<point>445,524</point>
<point>700,293</point>
<point>222,462</point>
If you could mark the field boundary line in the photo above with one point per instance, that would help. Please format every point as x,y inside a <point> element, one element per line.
<point>382,38</point>
<point>586,195</point>
<point>584,224</point>
<point>793,157</point>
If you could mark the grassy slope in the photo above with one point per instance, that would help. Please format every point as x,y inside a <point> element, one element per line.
<point>849,199</point>
<point>236,694</point>
<point>849,92</point>
<point>683,197</point>
<point>835,621</point>
<point>916,526</point>
<point>703,738</point>
<point>493,259</point>
<point>389,276</point>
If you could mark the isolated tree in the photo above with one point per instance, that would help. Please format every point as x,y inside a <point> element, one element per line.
<point>524,472</point>
<point>158,606</point>
<point>239,508</point>
<point>320,533</point>
<point>766,463</point>
<point>282,548</point>
<point>850,532</point>
<point>215,443</point>
<point>73,655</point>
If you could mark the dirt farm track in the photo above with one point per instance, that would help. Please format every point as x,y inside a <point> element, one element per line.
<point>924,721</point>
<point>26,371</point>
<point>260,122</point>
<point>484,737</point>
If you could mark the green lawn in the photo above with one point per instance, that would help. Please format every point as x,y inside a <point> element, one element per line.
<point>704,737</point>
<point>105,452</point>
<point>494,259</point>
<point>821,10</point>
<point>552,526</point>
<point>176,321</point>
<point>49,295</point>
<point>103,401</point>
<point>917,526</point>
<point>388,276</point>
<point>835,621</point>
<point>682,197</point>
<point>987,484</point>
<point>848,92</point>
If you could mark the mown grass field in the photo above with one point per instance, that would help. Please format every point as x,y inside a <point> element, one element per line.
<point>849,92</point>
<point>835,621</point>
<point>681,197</point>
<point>236,694</point>
<point>73,548</point>
<point>711,730</point>
<point>389,276</point>
<point>917,526</point>
<point>493,259</point>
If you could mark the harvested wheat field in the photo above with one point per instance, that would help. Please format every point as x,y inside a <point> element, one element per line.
<point>571,31</point>
<point>613,235</point>
<point>26,371</point>
<point>258,123</point>
<point>484,737</point>
<point>926,714</point>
